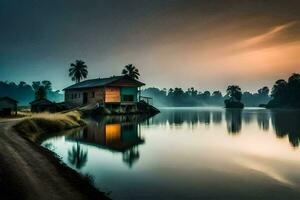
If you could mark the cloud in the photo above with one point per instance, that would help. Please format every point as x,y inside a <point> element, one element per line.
<point>265,37</point>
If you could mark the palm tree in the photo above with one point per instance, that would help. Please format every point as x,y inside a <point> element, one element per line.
<point>78,71</point>
<point>131,71</point>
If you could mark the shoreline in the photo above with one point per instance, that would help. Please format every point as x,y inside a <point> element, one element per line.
<point>36,172</point>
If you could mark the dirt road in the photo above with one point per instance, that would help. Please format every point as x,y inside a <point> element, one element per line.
<point>29,172</point>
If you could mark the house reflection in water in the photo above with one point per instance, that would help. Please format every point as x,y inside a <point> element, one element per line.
<point>119,134</point>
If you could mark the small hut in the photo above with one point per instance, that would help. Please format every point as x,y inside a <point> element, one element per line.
<point>43,105</point>
<point>8,105</point>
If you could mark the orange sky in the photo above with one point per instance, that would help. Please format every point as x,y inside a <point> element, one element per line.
<point>174,43</point>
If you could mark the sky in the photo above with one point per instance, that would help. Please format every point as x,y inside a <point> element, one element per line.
<point>207,44</point>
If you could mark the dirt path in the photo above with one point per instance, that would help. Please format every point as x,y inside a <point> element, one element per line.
<point>29,172</point>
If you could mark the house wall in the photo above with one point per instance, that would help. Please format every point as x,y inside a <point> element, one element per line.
<point>94,95</point>
<point>129,91</point>
<point>6,104</point>
<point>100,95</point>
<point>112,95</point>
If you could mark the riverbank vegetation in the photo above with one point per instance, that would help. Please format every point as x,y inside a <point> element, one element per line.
<point>174,97</point>
<point>24,93</point>
<point>286,94</point>
<point>36,125</point>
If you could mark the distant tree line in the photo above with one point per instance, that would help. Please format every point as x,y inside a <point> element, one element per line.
<point>25,93</point>
<point>286,94</point>
<point>192,97</point>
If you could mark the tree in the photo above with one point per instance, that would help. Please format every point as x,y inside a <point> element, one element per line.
<point>279,89</point>
<point>78,71</point>
<point>286,94</point>
<point>294,89</point>
<point>47,85</point>
<point>263,91</point>
<point>217,94</point>
<point>234,92</point>
<point>131,71</point>
<point>42,89</point>
<point>22,84</point>
<point>40,93</point>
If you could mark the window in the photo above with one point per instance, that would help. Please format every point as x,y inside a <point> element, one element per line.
<point>128,98</point>
<point>75,96</point>
<point>78,95</point>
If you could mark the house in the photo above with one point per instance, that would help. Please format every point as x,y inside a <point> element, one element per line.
<point>113,92</point>
<point>43,105</point>
<point>8,105</point>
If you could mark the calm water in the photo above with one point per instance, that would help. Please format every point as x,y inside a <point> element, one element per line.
<point>190,153</point>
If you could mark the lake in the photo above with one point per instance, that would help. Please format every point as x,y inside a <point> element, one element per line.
<point>188,153</point>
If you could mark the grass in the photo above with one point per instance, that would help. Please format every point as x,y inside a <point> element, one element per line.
<point>20,114</point>
<point>40,124</point>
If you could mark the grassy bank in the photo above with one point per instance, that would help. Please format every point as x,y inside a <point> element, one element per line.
<point>39,124</point>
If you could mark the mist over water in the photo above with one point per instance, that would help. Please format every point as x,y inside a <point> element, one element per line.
<point>189,153</point>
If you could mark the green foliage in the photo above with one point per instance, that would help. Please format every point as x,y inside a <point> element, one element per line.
<point>193,97</point>
<point>25,93</point>
<point>234,92</point>
<point>131,71</point>
<point>42,89</point>
<point>286,94</point>
<point>78,71</point>
<point>40,93</point>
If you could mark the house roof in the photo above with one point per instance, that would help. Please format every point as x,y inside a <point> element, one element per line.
<point>100,82</point>
<point>41,102</point>
<point>8,98</point>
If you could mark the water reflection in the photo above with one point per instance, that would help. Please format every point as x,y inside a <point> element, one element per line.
<point>77,157</point>
<point>284,122</point>
<point>287,123</point>
<point>263,120</point>
<point>119,134</point>
<point>249,149</point>
<point>234,120</point>
<point>191,117</point>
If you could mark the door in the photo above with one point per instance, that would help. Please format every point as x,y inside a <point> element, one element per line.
<point>85,98</point>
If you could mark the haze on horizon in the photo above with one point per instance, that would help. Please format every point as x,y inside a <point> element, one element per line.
<point>174,43</point>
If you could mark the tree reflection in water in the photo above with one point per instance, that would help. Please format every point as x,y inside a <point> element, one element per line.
<point>287,123</point>
<point>122,133</point>
<point>233,119</point>
<point>284,122</point>
<point>77,156</point>
<point>131,156</point>
<point>263,120</point>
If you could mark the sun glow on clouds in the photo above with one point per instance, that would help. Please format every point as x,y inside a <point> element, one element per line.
<point>267,36</point>
<point>259,56</point>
